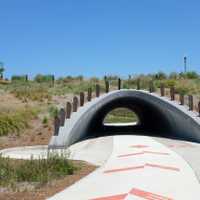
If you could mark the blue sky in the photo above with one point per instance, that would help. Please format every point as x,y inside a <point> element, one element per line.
<point>97,37</point>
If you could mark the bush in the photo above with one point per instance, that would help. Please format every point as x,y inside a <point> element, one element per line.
<point>43,78</point>
<point>16,121</point>
<point>39,171</point>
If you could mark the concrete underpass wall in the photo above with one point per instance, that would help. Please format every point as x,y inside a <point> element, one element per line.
<point>158,116</point>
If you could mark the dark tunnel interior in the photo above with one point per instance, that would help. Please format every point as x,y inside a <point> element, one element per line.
<point>153,120</point>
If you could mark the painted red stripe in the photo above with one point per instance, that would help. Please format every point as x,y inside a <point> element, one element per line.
<point>141,153</point>
<point>131,154</point>
<point>148,195</point>
<point>124,169</point>
<point>142,167</point>
<point>139,146</point>
<point>155,152</point>
<point>162,167</point>
<point>115,197</point>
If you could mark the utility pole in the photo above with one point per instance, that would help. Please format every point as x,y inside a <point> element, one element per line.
<point>185,64</point>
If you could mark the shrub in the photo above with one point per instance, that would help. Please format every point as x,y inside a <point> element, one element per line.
<point>39,171</point>
<point>16,121</point>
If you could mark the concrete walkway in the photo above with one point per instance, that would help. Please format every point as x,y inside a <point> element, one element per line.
<point>137,167</point>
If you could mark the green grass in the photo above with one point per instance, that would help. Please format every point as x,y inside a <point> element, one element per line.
<point>15,121</point>
<point>121,115</point>
<point>38,171</point>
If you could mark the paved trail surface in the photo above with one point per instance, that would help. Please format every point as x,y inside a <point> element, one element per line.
<point>139,168</point>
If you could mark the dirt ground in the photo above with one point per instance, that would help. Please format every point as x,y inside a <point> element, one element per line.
<point>51,188</point>
<point>37,134</point>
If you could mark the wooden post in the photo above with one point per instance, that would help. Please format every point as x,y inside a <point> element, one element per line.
<point>138,84</point>
<point>172,93</point>
<point>56,125</point>
<point>107,86</point>
<point>162,89</point>
<point>199,108</point>
<point>75,104</point>
<point>191,103</point>
<point>82,98</point>
<point>97,90</point>
<point>151,86</point>
<point>62,117</point>
<point>119,84</point>
<point>181,98</point>
<point>68,110</point>
<point>89,97</point>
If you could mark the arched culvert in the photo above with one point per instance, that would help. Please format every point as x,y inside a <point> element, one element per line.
<point>152,120</point>
<point>158,116</point>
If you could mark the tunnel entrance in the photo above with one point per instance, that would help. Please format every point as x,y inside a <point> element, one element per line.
<point>156,116</point>
<point>147,118</point>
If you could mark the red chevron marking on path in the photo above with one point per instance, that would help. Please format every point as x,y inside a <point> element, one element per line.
<point>135,192</point>
<point>124,169</point>
<point>115,197</point>
<point>163,167</point>
<point>142,167</point>
<point>139,146</point>
<point>148,195</point>
<point>181,145</point>
<point>143,152</point>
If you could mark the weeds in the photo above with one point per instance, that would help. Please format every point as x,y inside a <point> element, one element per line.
<point>14,122</point>
<point>38,171</point>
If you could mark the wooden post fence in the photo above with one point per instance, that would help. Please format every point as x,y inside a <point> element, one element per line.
<point>82,98</point>
<point>62,117</point>
<point>172,93</point>
<point>68,110</point>
<point>199,108</point>
<point>56,125</point>
<point>97,90</point>
<point>75,104</point>
<point>89,95</point>
<point>182,99</point>
<point>151,89</point>
<point>190,102</point>
<point>138,84</point>
<point>119,84</point>
<point>107,86</point>
<point>162,89</point>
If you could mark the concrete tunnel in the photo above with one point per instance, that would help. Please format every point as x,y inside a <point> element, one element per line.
<point>157,116</point>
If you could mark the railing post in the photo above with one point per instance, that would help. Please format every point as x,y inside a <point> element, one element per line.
<point>138,84</point>
<point>75,104</point>
<point>151,86</point>
<point>182,100</point>
<point>191,103</point>
<point>68,110</point>
<point>82,98</point>
<point>62,117</point>
<point>89,96</point>
<point>199,108</point>
<point>172,93</point>
<point>107,86</point>
<point>162,89</point>
<point>56,125</point>
<point>97,90</point>
<point>119,84</point>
